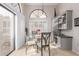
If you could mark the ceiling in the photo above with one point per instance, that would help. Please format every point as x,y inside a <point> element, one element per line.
<point>41,3</point>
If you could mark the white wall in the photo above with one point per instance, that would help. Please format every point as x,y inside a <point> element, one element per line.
<point>75,30</point>
<point>19,26</point>
<point>19,31</point>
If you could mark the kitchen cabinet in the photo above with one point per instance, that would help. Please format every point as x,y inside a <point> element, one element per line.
<point>63,22</point>
<point>66,20</point>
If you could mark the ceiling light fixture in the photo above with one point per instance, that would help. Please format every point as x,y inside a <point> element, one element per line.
<point>42,7</point>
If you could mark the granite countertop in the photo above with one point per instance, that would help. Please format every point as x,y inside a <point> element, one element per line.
<point>58,33</point>
<point>65,36</point>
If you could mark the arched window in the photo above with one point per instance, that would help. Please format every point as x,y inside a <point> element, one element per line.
<point>38,13</point>
<point>37,21</point>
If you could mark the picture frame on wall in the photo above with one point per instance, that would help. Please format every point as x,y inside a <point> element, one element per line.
<point>76,21</point>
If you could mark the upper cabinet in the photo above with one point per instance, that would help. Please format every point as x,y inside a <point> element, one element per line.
<point>63,22</point>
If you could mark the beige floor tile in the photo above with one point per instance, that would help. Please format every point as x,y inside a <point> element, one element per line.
<point>32,52</point>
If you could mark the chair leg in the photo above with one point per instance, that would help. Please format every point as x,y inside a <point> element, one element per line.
<point>26,50</point>
<point>37,49</point>
<point>41,51</point>
<point>49,50</point>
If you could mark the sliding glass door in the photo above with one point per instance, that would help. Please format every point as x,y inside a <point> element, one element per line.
<point>6,31</point>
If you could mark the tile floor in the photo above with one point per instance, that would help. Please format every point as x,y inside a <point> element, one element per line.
<point>32,52</point>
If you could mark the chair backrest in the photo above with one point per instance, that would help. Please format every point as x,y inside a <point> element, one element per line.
<point>45,38</point>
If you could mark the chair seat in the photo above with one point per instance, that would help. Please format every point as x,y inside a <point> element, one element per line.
<point>39,45</point>
<point>31,42</point>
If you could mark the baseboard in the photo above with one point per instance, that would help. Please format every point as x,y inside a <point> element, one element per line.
<point>76,52</point>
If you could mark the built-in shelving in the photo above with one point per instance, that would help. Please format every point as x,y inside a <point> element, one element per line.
<point>63,22</point>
